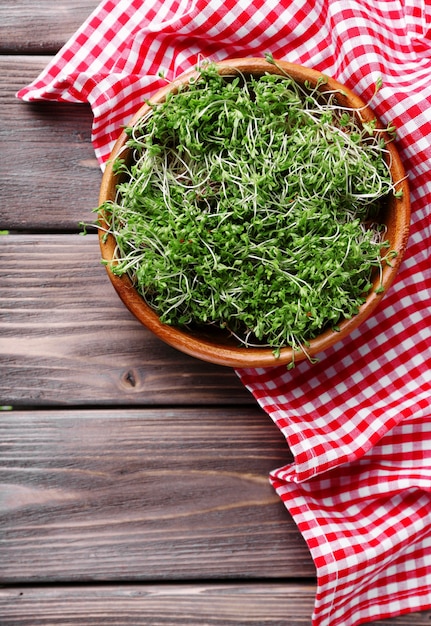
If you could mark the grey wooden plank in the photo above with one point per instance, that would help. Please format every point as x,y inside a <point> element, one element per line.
<point>144,495</point>
<point>206,604</point>
<point>50,176</point>
<point>40,27</point>
<point>66,337</point>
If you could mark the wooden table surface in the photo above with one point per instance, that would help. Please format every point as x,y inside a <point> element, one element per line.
<point>134,479</point>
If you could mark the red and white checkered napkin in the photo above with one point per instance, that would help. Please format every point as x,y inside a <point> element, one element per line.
<point>359,421</point>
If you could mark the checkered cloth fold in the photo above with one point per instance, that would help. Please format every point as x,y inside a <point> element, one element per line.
<point>358,422</point>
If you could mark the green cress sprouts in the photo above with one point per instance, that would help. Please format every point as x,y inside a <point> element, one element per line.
<point>249,204</point>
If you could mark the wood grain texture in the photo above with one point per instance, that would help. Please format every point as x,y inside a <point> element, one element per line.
<point>51,177</point>
<point>144,495</point>
<point>214,604</point>
<point>33,27</point>
<point>66,338</point>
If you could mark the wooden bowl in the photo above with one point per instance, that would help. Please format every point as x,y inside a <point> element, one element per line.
<point>215,345</point>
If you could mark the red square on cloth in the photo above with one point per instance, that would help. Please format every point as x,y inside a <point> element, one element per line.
<point>358,421</point>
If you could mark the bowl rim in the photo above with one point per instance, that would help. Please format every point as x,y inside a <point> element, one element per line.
<point>243,357</point>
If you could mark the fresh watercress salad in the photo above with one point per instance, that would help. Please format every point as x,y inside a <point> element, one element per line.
<point>250,203</point>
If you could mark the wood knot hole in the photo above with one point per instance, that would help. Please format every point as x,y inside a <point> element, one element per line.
<point>130,378</point>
